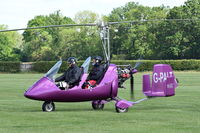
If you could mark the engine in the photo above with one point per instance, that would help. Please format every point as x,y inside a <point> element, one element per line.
<point>123,75</point>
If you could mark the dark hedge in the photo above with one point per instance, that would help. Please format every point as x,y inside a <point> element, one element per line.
<point>147,65</point>
<point>9,66</point>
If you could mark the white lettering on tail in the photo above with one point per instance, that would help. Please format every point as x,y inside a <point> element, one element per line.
<point>162,76</point>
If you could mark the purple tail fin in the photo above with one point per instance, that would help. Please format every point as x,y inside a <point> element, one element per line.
<point>163,82</point>
<point>146,84</point>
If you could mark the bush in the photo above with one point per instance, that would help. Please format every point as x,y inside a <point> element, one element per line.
<point>9,66</point>
<point>147,65</point>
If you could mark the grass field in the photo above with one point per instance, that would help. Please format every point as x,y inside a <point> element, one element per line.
<point>177,114</point>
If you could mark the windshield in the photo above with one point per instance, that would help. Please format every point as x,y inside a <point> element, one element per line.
<point>53,71</point>
<point>86,65</point>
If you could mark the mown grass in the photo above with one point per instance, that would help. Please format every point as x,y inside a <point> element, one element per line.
<point>177,114</point>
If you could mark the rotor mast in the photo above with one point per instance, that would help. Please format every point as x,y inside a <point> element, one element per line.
<point>105,38</point>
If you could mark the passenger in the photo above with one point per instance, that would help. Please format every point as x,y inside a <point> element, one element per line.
<point>71,76</point>
<point>95,74</point>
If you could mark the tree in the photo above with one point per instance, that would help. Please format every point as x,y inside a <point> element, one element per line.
<point>10,43</point>
<point>136,39</point>
<point>89,41</point>
<point>43,44</point>
<point>151,40</point>
<point>180,38</point>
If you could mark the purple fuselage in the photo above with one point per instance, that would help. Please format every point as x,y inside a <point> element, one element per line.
<point>46,90</point>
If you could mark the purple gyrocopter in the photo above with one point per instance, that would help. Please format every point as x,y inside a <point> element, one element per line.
<point>163,80</point>
<point>45,89</point>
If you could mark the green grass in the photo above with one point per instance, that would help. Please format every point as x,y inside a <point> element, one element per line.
<point>177,114</point>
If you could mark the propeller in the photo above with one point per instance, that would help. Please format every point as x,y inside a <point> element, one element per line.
<point>137,64</point>
<point>133,71</point>
<point>132,86</point>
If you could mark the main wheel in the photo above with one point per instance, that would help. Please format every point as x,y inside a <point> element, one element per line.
<point>120,110</point>
<point>97,106</point>
<point>48,106</point>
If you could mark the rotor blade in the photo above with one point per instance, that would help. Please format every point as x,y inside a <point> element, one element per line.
<point>132,86</point>
<point>50,26</point>
<point>94,24</point>
<point>152,20</point>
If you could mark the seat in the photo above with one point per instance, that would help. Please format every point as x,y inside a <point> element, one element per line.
<point>105,67</point>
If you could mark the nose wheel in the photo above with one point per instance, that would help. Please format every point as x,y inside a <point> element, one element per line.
<point>120,110</point>
<point>48,106</point>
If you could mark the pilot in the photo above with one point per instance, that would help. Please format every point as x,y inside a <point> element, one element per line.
<point>71,76</point>
<point>96,73</point>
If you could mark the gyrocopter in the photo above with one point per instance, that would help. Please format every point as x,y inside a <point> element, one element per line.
<point>163,82</point>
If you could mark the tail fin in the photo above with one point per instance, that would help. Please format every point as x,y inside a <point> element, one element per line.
<point>163,82</point>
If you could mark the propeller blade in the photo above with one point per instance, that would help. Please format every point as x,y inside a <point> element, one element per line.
<point>137,65</point>
<point>132,86</point>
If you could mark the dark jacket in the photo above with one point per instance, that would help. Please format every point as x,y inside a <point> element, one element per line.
<point>72,75</point>
<point>96,73</point>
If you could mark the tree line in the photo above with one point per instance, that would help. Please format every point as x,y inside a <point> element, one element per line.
<point>147,39</point>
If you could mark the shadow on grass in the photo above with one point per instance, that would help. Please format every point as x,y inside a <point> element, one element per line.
<point>57,110</point>
<point>167,108</point>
